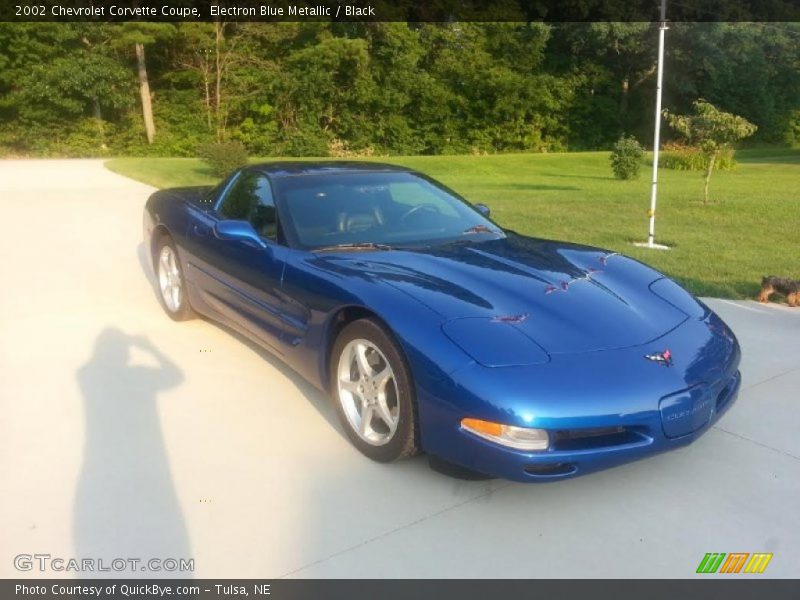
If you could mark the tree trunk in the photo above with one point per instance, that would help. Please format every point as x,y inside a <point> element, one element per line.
<point>207,89</point>
<point>219,31</point>
<point>98,119</point>
<point>711,159</point>
<point>144,91</point>
<point>623,100</point>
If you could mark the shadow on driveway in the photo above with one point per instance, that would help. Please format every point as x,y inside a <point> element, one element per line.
<point>317,398</point>
<point>126,505</point>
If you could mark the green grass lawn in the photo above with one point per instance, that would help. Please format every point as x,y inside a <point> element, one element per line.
<point>721,249</point>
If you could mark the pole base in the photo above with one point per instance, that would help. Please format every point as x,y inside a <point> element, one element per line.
<point>651,245</point>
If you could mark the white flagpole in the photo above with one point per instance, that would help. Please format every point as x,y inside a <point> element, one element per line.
<point>651,232</point>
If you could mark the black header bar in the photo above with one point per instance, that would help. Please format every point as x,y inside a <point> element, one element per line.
<point>398,10</point>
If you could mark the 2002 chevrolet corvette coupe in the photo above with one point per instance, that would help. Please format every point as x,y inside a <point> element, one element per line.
<point>433,329</point>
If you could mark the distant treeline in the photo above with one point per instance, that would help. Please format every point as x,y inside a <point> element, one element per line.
<point>86,89</point>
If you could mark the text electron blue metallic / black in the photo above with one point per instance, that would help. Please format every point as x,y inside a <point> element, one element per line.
<point>507,329</point>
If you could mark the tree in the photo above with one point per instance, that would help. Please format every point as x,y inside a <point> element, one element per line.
<point>140,34</point>
<point>71,96</point>
<point>711,130</point>
<point>212,51</point>
<point>752,69</point>
<point>310,88</point>
<point>611,67</point>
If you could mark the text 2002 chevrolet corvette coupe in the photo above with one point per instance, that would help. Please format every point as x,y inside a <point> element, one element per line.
<point>434,329</point>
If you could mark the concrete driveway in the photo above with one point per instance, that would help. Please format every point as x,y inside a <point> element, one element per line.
<point>125,435</point>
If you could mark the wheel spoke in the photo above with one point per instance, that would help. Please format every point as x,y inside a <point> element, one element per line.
<point>176,297</point>
<point>350,386</point>
<point>164,260</point>
<point>382,378</point>
<point>366,419</point>
<point>176,274</point>
<point>364,369</point>
<point>385,414</point>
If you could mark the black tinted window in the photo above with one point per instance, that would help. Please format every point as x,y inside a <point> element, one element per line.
<point>377,207</point>
<point>250,199</point>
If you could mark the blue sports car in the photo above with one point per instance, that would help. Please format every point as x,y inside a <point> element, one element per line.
<point>434,329</point>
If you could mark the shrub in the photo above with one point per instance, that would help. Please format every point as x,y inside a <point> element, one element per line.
<point>304,141</point>
<point>691,158</point>
<point>258,136</point>
<point>791,134</point>
<point>341,149</point>
<point>626,158</point>
<point>223,157</point>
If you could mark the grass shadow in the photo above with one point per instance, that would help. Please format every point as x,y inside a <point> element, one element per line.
<point>779,156</point>
<point>530,187</point>
<point>574,176</point>
<point>203,170</point>
<point>715,289</point>
<point>630,241</point>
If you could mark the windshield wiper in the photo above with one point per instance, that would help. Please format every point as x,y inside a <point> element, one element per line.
<point>479,229</point>
<point>354,247</point>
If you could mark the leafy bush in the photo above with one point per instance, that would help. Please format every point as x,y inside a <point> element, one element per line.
<point>626,158</point>
<point>341,149</point>
<point>258,135</point>
<point>86,138</point>
<point>308,141</point>
<point>223,157</point>
<point>791,136</point>
<point>691,158</point>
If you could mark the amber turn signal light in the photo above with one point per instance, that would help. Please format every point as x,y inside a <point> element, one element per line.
<point>520,438</point>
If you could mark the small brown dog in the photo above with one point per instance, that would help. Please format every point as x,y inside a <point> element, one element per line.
<point>780,285</point>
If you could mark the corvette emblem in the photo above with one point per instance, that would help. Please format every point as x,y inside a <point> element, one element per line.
<point>664,358</point>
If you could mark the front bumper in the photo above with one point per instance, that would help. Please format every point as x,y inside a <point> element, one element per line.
<point>601,409</point>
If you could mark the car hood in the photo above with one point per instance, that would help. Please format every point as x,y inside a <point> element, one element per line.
<point>565,297</point>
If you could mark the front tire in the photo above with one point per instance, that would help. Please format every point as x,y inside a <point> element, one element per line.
<point>170,282</point>
<point>371,389</point>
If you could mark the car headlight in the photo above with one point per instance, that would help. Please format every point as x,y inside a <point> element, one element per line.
<point>494,342</point>
<point>519,438</point>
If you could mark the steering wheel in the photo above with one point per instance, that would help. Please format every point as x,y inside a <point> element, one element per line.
<point>420,207</point>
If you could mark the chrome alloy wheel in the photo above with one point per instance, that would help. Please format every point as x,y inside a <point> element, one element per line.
<point>169,279</point>
<point>367,391</point>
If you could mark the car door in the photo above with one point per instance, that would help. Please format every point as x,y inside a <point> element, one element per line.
<point>241,279</point>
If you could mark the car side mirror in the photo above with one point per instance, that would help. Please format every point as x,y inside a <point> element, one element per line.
<point>483,209</point>
<point>238,231</point>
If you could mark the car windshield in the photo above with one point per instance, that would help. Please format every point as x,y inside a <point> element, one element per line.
<point>375,210</point>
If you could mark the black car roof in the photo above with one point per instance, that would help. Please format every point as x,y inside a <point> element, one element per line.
<point>320,167</point>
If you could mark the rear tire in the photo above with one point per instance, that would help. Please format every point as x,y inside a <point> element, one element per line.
<point>372,391</point>
<point>170,282</point>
